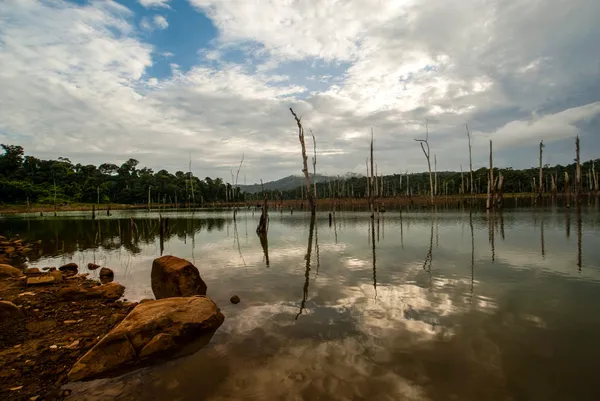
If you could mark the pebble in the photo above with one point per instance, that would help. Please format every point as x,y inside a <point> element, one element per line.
<point>16,388</point>
<point>73,345</point>
<point>70,321</point>
<point>53,347</point>
<point>235,299</point>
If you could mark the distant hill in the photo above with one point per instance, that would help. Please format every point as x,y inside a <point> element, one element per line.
<point>284,184</point>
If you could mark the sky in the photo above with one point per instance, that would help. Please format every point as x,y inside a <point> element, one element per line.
<point>169,81</point>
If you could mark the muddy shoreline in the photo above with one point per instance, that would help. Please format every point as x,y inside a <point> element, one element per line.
<point>48,320</point>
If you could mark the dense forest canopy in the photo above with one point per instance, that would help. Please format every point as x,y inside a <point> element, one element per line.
<point>29,179</point>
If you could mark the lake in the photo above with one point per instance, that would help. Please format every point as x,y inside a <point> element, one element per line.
<point>418,305</point>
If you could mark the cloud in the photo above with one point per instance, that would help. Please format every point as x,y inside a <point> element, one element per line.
<point>76,81</point>
<point>160,22</point>
<point>154,3</point>
<point>156,22</point>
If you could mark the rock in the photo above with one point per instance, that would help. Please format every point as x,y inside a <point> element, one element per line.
<point>33,271</point>
<point>70,321</point>
<point>111,291</point>
<point>175,277</point>
<point>26,249</point>
<point>146,300</point>
<point>93,266</point>
<point>182,320</point>
<point>40,280</point>
<point>56,275</point>
<point>234,299</point>
<point>9,310</point>
<point>9,250</point>
<point>160,343</point>
<point>9,271</point>
<point>53,347</point>
<point>105,271</point>
<point>70,269</point>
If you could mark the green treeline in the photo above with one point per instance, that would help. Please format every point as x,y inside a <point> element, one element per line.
<point>455,183</point>
<point>29,179</point>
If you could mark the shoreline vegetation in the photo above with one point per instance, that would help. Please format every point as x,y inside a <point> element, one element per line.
<point>324,204</point>
<point>29,184</point>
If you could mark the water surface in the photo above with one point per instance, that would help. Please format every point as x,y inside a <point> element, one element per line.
<point>449,305</point>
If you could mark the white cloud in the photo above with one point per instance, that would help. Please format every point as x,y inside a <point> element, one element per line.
<point>160,22</point>
<point>75,82</point>
<point>156,22</point>
<point>154,3</point>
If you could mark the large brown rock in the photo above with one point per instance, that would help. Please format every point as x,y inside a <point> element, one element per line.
<point>70,269</point>
<point>156,329</point>
<point>9,310</point>
<point>175,277</point>
<point>9,271</point>
<point>111,291</point>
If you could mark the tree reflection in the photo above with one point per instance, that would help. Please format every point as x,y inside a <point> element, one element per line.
<point>307,258</point>
<point>579,235</point>
<point>78,235</point>
<point>374,255</point>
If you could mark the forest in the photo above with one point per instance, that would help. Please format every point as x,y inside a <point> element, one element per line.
<point>27,179</point>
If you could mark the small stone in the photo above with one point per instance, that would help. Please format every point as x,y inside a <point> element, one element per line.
<point>30,363</point>
<point>53,347</point>
<point>93,266</point>
<point>235,299</point>
<point>70,269</point>
<point>73,345</point>
<point>70,321</point>
<point>34,398</point>
<point>16,388</point>
<point>40,280</point>
<point>66,393</point>
<point>106,272</point>
<point>29,293</point>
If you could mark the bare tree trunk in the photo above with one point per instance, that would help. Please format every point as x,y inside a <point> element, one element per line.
<point>595,177</point>
<point>263,223</point>
<point>490,196</point>
<point>371,179</point>
<point>470,159</point>
<point>309,196</point>
<point>499,197</point>
<point>541,188</point>
<point>578,173</point>
<point>368,193</point>
<point>462,181</point>
<point>192,181</point>
<point>426,153</point>
<point>567,190</point>
<point>314,163</point>
<point>436,191</point>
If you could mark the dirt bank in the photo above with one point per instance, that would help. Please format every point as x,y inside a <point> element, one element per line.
<point>43,337</point>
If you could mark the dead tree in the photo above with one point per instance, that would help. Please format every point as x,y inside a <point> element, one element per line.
<point>371,187</point>
<point>263,223</point>
<point>462,181</point>
<point>567,191</point>
<point>578,172</point>
<point>309,195</point>
<point>314,163</point>
<point>426,153</point>
<point>541,187</point>
<point>436,192</point>
<point>490,193</point>
<point>470,159</point>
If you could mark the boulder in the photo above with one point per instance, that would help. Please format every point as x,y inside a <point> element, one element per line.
<point>167,327</point>
<point>70,269</point>
<point>106,272</point>
<point>9,310</point>
<point>175,277</point>
<point>33,271</point>
<point>9,271</point>
<point>93,266</point>
<point>111,291</point>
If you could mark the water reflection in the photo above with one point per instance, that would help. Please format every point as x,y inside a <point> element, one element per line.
<point>373,321</point>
